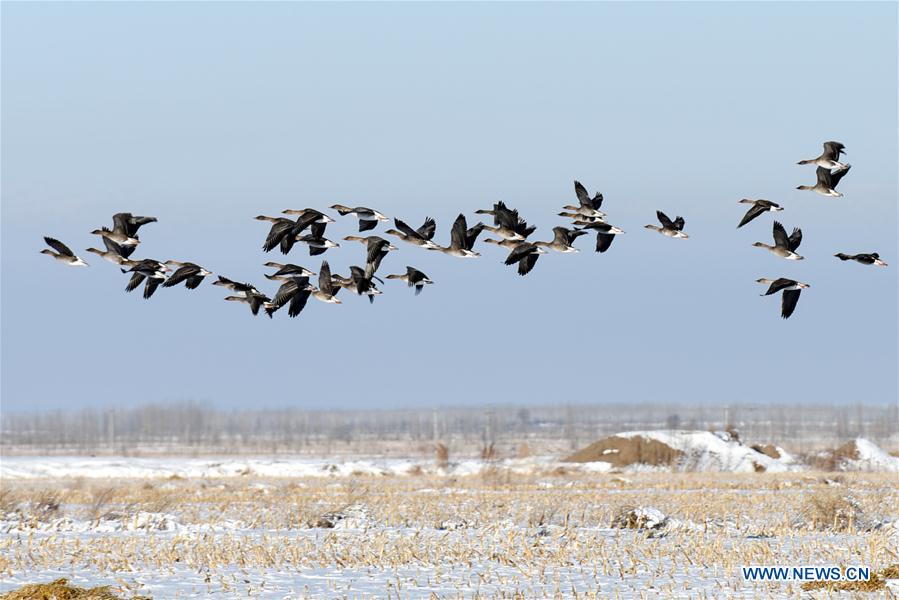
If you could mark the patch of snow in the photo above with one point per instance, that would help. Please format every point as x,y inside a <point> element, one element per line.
<point>707,451</point>
<point>140,521</point>
<point>870,458</point>
<point>355,516</point>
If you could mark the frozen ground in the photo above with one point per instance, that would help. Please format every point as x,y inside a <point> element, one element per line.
<point>701,451</point>
<point>376,529</point>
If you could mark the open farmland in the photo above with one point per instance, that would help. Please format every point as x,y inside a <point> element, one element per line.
<point>494,532</point>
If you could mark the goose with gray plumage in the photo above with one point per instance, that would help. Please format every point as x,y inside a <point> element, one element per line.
<point>580,220</point>
<point>376,248</point>
<point>368,217</point>
<point>563,238</point>
<point>190,273</point>
<point>286,271</point>
<point>758,207</point>
<point>151,270</point>
<point>525,255</point>
<point>63,253</point>
<point>791,290</point>
<point>830,158</point>
<point>422,237</point>
<point>872,258</point>
<point>316,241</point>
<point>506,244</point>
<point>507,223</point>
<point>462,239</point>
<point>234,286</point>
<point>827,181</point>
<point>255,301</point>
<point>669,228</point>
<point>605,234</point>
<point>360,281</point>
<point>784,246</point>
<point>294,292</point>
<point>114,253</point>
<point>413,278</point>
<point>326,290</point>
<point>587,206</point>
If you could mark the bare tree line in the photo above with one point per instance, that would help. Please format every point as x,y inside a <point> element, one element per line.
<point>194,428</point>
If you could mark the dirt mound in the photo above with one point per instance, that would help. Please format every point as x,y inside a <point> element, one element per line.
<point>60,590</point>
<point>849,451</point>
<point>683,450</point>
<point>768,450</point>
<point>857,455</point>
<point>624,451</point>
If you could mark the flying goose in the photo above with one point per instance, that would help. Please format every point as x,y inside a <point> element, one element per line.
<point>248,294</point>
<point>462,239</point>
<point>368,218</point>
<point>63,253</point>
<point>318,244</point>
<point>315,239</point>
<point>279,233</point>
<point>791,290</point>
<point>829,159</point>
<point>114,253</point>
<point>119,236</point>
<point>190,273</point>
<point>286,271</point>
<point>784,246</point>
<point>295,290</point>
<point>152,270</point>
<point>413,277</point>
<point>241,288</point>
<point>130,223</point>
<point>309,215</point>
<point>562,239</point>
<point>507,244</point>
<point>757,208</point>
<point>605,234</point>
<point>285,232</point>
<point>866,259</point>
<point>326,290</point>
<point>124,229</point>
<point>669,228</point>
<point>588,207</point>
<point>526,255</point>
<point>827,181</point>
<point>422,236</point>
<point>254,299</point>
<point>580,219</point>
<point>376,248</point>
<point>360,282</point>
<point>315,220</point>
<point>507,223</point>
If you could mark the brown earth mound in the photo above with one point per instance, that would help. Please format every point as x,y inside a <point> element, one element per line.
<point>60,590</point>
<point>767,450</point>
<point>831,460</point>
<point>624,451</point>
<point>847,451</point>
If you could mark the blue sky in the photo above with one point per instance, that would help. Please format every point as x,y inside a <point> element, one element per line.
<point>207,114</point>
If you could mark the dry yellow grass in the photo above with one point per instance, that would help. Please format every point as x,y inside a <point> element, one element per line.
<point>875,584</point>
<point>60,590</point>
<point>522,529</point>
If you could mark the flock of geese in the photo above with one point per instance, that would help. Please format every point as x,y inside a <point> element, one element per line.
<point>307,226</point>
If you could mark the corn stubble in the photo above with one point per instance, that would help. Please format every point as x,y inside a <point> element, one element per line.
<point>504,535</point>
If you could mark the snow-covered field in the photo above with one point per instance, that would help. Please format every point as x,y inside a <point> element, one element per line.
<point>373,528</point>
<point>702,451</point>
